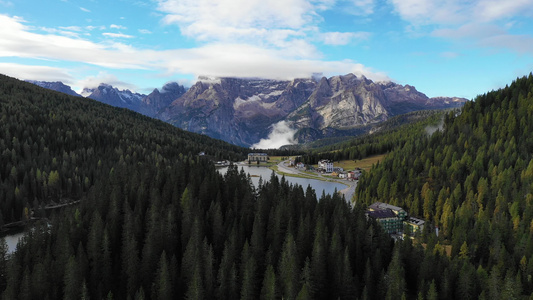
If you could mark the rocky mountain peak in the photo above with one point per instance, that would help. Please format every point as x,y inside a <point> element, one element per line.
<point>241,111</point>
<point>56,86</point>
<point>156,100</point>
<point>244,110</point>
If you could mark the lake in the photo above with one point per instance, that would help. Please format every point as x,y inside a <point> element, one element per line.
<point>318,185</point>
<point>12,241</point>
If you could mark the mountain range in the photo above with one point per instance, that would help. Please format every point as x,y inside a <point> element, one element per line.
<point>247,111</point>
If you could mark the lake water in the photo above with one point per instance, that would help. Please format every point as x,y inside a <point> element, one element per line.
<point>265,173</point>
<point>12,241</point>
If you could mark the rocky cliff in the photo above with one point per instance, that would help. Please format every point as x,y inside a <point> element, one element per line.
<point>243,111</point>
<point>56,86</point>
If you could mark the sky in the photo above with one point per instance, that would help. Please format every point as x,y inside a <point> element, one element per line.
<point>459,48</point>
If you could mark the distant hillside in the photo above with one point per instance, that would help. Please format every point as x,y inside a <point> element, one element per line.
<point>63,144</point>
<point>148,105</point>
<point>381,138</point>
<point>55,86</point>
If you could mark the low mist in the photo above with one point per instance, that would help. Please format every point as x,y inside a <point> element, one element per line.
<point>282,134</point>
<point>431,129</point>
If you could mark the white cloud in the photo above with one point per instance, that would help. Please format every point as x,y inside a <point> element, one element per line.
<point>343,38</point>
<point>217,59</point>
<point>489,10</point>
<point>470,30</point>
<point>483,23</point>
<point>241,60</point>
<point>117,35</point>
<point>488,36</point>
<point>90,28</point>
<point>365,6</point>
<point>238,13</point>
<point>6,3</point>
<point>280,24</point>
<point>71,28</point>
<point>103,77</point>
<point>357,7</point>
<point>42,73</point>
<point>145,31</point>
<point>422,12</point>
<point>85,9</point>
<point>282,134</point>
<point>60,32</point>
<point>114,26</point>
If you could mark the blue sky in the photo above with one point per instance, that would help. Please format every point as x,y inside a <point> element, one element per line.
<point>443,48</point>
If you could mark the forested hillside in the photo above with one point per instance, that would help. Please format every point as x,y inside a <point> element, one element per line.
<point>167,225</point>
<point>474,180</point>
<point>53,147</point>
<point>387,136</point>
<point>156,222</point>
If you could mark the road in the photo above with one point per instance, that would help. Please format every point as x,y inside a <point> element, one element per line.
<point>348,192</point>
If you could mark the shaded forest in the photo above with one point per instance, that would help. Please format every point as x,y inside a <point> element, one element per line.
<point>53,147</point>
<point>164,224</point>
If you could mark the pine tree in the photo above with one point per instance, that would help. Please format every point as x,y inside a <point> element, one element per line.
<point>162,286</point>
<point>395,277</point>
<point>288,269</point>
<point>72,280</point>
<point>269,289</point>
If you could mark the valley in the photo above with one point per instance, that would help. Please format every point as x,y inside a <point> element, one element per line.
<point>266,150</point>
<point>157,220</point>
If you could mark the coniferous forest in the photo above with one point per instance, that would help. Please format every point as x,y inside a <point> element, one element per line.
<point>157,221</point>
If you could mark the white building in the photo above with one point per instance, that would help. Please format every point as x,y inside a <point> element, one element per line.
<point>262,157</point>
<point>326,165</point>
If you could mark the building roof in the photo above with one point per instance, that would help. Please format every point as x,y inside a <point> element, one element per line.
<point>259,154</point>
<point>381,214</point>
<point>381,206</point>
<point>416,221</point>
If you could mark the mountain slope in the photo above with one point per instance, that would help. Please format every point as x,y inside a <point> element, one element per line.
<point>108,94</point>
<point>78,140</point>
<point>157,100</point>
<point>242,111</point>
<point>147,105</point>
<point>474,181</point>
<point>236,110</point>
<point>55,86</point>
<point>156,221</point>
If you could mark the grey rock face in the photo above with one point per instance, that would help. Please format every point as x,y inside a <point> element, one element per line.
<point>110,95</point>
<point>157,100</point>
<point>55,86</point>
<point>242,111</point>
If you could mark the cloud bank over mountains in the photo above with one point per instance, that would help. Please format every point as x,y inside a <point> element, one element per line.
<point>278,39</point>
